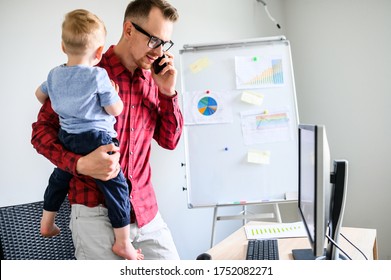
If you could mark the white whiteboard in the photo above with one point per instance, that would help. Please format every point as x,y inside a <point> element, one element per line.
<point>241,121</point>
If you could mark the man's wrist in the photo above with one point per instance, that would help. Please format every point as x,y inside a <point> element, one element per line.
<point>169,95</point>
<point>79,166</point>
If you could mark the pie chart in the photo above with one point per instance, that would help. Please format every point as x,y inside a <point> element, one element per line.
<point>207,106</point>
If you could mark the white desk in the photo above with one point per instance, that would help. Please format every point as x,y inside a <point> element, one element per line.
<point>234,247</point>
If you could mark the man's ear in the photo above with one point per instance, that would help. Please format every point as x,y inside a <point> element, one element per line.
<point>127,28</point>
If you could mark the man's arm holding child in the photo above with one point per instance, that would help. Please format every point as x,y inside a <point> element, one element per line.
<point>98,164</point>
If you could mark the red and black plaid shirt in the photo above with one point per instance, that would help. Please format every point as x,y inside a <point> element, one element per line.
<point>147,114</point>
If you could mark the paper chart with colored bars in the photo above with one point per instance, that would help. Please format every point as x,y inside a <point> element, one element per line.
<point>258,72</point>
<point>279,230</point>
<point>275,120</point>
<point>265,127</point>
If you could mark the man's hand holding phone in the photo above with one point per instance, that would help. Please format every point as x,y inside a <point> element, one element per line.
<point>164,74</point>
<point>158,68</point>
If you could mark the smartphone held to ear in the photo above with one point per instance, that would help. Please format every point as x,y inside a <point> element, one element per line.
<point>156,67</point>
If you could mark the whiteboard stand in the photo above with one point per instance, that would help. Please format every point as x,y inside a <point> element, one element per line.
<point>245,216</point>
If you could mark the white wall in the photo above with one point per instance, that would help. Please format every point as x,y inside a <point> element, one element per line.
<point>30,35</point>
<point>204,21</point>
<point>339,57</point>
<point>340,51</point>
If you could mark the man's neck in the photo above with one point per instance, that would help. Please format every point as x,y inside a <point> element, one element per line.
<point>124,56</point>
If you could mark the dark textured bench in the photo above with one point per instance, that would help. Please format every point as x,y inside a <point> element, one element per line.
<point>20,238</point>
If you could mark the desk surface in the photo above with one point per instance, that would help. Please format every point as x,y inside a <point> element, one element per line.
<point>234,247</point>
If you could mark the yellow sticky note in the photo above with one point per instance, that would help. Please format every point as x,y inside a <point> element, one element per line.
<point>199,65</point>
<point>252,98</point>
<point>258,157</point>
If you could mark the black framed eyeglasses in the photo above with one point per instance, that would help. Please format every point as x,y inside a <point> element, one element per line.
<point>154,42</point>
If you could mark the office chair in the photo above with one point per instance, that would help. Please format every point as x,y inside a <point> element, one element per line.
<point>20,237</point>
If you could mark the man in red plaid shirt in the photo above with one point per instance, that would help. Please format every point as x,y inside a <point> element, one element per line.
<point>151,110</point>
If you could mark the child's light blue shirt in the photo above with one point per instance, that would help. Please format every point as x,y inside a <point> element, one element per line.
<point>78,95</point>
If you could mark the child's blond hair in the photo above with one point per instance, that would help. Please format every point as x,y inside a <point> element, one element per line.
<point>82,30</point>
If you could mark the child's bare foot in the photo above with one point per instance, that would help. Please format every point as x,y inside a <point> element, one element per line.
<point>127,251</point>
<point>49,230</point>
<point>48,227</point>
<point>140,256</point>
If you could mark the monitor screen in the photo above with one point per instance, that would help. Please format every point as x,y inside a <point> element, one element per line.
<point>314,184</point>
<point>322,193</point>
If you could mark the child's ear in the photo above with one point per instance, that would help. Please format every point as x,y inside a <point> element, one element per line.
<point>99,53</point>
<point>63,47</point>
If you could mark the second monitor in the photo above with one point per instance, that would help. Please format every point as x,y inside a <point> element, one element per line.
<point>322,193</point>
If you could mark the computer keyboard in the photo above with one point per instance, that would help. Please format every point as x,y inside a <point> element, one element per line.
<point>262,249</point>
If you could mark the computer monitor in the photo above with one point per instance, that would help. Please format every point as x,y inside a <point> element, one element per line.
<point>322,193</point>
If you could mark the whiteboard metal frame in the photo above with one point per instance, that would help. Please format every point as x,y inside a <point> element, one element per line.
<point>219,45</point>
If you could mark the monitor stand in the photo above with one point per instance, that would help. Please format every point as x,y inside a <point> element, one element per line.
<point>307,254</point>
<point>303,254</point>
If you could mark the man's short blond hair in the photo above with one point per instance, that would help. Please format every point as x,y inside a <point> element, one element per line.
<point>82,30</point>
<point>140,9</point>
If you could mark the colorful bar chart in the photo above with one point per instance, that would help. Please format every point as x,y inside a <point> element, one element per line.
<point>259,72</point>
<point>272,75</point>
<point>272,120</point>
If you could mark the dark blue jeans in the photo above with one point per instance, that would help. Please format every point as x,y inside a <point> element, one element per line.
<point>115,191</point>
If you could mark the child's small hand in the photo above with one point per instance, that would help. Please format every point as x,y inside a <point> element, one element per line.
<point>116,87</point>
